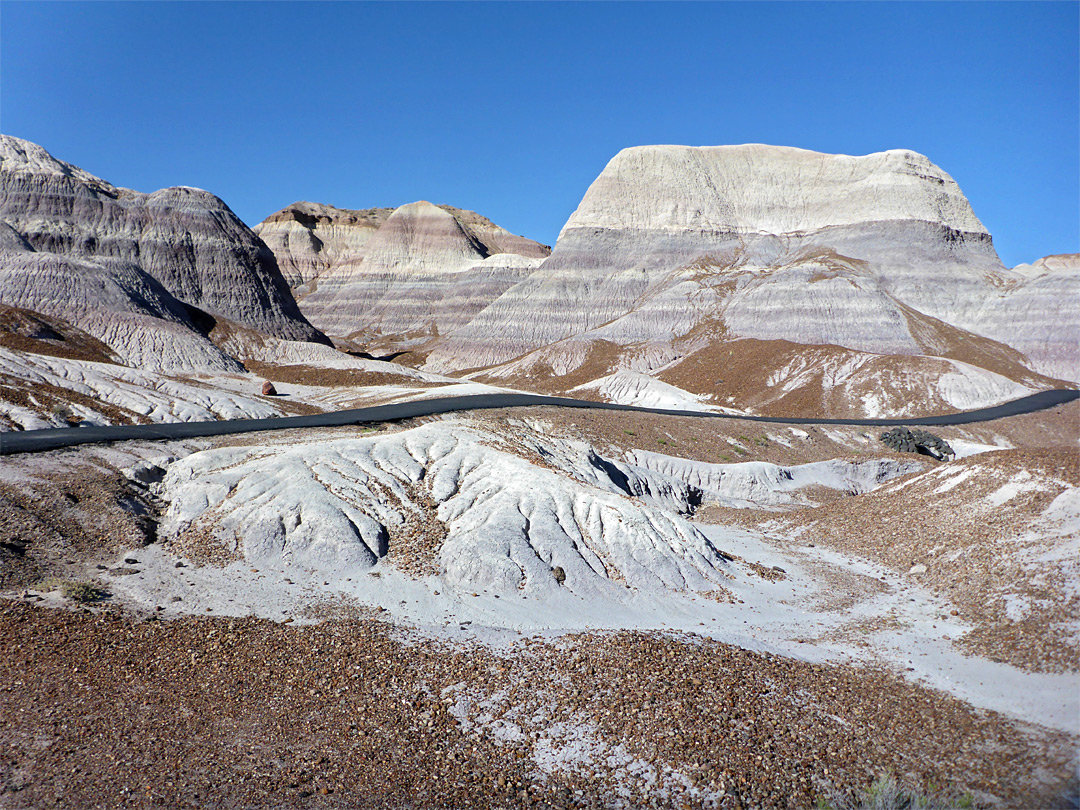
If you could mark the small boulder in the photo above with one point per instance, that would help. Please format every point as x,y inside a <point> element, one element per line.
<point>268,389</point>
<point>917,441</point>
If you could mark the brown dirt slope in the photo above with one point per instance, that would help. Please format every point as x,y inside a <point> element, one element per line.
<point>28,331</point>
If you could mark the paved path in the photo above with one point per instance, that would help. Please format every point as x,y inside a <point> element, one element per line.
<point>30,441</point>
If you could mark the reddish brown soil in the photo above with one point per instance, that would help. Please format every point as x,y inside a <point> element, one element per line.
<point>28,331</point>
<point>332,377</point>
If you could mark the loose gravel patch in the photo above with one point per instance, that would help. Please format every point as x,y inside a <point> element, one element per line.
<point>99,709</point>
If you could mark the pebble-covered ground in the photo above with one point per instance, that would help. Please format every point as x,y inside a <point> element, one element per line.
<point>102,709</point>
<point>975,532</point>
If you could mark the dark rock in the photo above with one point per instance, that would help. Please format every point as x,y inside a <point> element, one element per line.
<point>268,389</point>
<point>917,441</point>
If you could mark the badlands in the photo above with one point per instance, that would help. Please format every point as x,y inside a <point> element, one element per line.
<point>538,606</point>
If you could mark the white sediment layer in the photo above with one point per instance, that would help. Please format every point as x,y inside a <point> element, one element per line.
<point>509,524</point>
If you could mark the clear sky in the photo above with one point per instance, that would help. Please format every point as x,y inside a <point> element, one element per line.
<point>513,109</point>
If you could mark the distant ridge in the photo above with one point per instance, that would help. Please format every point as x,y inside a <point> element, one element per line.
<point>397,277</point>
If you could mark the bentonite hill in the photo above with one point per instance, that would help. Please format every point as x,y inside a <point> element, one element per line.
<point>538,606</point>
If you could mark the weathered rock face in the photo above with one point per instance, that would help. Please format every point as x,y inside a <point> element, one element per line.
<point>493,239</point>
<point>186,239</point>
<point>756,189</point>
<point>426,270</point>
<point>112,300</point>
<point>668,235</point>
<point>310,238</point>
<point>675,250</point>
<point>1036,314</point>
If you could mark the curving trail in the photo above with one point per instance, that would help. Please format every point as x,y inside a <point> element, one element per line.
<point>31,441</point>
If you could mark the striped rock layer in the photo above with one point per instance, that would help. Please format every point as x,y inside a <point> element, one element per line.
<point>420,272</point>
<point>102,251</point>
<point>675,252</point>
<point>310,238</point>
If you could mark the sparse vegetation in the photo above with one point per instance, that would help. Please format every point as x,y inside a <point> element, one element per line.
<point>888,794</point>
<point>75,590</point>
<point>64,413</point>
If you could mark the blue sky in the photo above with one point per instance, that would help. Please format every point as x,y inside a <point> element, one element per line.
<point>513,109</point>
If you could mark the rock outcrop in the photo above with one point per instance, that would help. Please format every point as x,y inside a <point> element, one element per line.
<point>676,250</point>
<point>426,270</point>
<point>906,440</point>
<point>1036,314</point>
<point>186,240</point>
<point>114,301</point>
<point>310,238</point>
<point>666,232</point>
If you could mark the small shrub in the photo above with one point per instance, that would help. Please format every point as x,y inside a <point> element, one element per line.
<point>64,413</point>
<point>887,794</point>
<point>75,590</point>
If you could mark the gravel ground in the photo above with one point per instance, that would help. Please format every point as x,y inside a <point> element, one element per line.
<point>1008,572</point>
<point>719,441</point>
<point>104,709</point>
<point>98,709</point>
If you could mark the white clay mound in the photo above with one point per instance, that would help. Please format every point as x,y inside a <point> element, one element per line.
<point>157,397</point>
<point>339,506</point>
<point>759,484</point>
